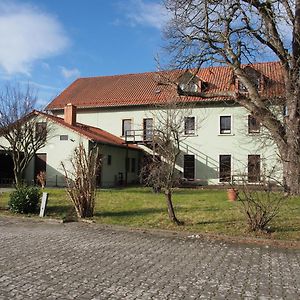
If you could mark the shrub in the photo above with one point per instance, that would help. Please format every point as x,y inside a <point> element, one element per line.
<point>81,180</point>
<point>25,200</point>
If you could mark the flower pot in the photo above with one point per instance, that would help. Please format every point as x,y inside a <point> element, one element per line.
<point>232,194</point>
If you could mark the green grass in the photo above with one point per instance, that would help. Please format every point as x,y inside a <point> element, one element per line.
<point>203,211</point>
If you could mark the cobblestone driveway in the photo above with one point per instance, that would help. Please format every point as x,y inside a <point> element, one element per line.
<point>79,261</point>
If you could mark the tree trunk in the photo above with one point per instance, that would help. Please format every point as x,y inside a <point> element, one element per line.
<point>18,177</point>
<point>291,171</point>
<point>171,211</point>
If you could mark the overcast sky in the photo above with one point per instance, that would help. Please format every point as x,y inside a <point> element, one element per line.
<point>50,43</point>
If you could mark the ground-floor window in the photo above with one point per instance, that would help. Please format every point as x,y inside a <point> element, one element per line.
<point>189,167</point>
<point>224,168</point>
<point>253,168</point>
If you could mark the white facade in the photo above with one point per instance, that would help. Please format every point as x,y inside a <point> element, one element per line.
<point>60,146</point>
<point>207,144</point>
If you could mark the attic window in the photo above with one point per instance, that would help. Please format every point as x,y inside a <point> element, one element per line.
<point>189,87</point>
<point>189,83</point>
<point>255,78</point>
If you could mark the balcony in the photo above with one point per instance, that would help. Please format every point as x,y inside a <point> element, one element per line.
<point>139,136</point>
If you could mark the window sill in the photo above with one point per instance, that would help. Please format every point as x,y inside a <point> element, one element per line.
<point>226,134</point>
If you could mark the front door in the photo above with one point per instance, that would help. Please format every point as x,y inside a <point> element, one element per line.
<point>40,164</point>
<point>189,167</point>
<point>148,129</point>
<point>225,168</point>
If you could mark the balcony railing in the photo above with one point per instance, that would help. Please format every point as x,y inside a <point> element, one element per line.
<point>138,136</point>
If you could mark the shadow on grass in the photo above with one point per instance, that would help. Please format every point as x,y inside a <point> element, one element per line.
<point>58,209</point>
<point>284,228</point>
<point>128,213</point>
<point>216,222</point>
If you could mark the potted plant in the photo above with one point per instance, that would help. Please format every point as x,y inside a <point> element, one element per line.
<point>232,194</point>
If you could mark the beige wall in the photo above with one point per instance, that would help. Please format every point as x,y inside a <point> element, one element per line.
<point>207,144</point>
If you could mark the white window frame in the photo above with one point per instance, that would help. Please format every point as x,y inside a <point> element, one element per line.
<point>194,130</point>
<point>231,124</point>
<point>123,129</point>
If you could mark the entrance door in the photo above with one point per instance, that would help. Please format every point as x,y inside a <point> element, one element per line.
<point>40,164</point>
<point>189,167</point>
<point>225,168</point>
<point>253,168</point>
<point>148,129</point>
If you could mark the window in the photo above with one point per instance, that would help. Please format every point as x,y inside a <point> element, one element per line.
<point>253,168</point>
<point>225,124</point>
<point>189,87</point>
<point>224,168</point>
<point>253,125</point>
<point>64,137</point>
<point>126,126</point>
<point>189,167</point>
<point>108,160</point>
<point>127,164</point>
<point>148,129</point>
<point>41,131</point>
<point>255,78</point>
<point>189,125</point>
<point>133,165</point>
<point>188,83</point>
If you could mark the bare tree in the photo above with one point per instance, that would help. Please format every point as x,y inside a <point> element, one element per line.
<point>260,205</point>
<point>163,171</point>
<point>231,32</point>
<point>24,133</point>
<point>81,180</point>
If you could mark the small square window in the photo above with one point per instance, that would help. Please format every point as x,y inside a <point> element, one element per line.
<point>64,137</point>
<point>253,125</point>
<point>189,125</point>
<point>108,160</point>
<point>225,124</point>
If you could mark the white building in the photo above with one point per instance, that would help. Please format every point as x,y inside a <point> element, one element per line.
<point>223,140</point>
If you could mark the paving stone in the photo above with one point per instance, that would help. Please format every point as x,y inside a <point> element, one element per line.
<point>40,260</point>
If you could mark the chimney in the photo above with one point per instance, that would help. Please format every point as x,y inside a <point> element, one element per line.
<point>70,114</point>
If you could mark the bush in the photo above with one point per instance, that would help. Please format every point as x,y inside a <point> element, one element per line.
<point>25,200</point>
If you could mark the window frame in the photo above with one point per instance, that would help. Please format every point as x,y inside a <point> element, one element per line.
<point>253,128</point>
<point>123,126</point>
<point>225,131</point>
<point>41,127</point>
<point>225,178</point>
<point>62,137</point>
<point>186,168</point>
<point>254,178</point>
<point>187,131</point>
<point>148,133</point>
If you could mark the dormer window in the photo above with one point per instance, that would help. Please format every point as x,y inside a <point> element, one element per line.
<point>255,78</point>
<point>189,83</point>
<point>189,87</point>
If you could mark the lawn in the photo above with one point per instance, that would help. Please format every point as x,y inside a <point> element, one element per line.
<point>203,211</point>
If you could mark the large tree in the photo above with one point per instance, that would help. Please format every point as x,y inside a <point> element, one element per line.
<point>235,32</point>
<point>23,131</point>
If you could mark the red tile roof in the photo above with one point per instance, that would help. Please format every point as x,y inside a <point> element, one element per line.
<point>90,132</point>
<point>148,88</point>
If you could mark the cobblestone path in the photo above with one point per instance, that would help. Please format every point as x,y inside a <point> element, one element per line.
<point>42,260</point>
